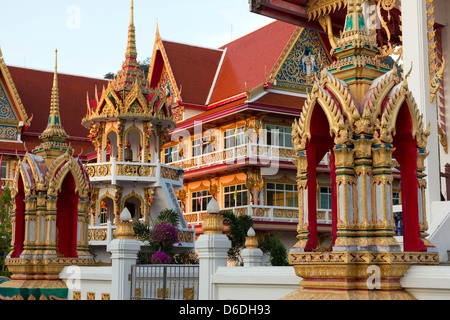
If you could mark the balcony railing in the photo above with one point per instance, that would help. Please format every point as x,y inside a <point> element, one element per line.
<point>254,152</point>
<point>257,153</point>
<point>103,235</point>
<point>133,171</point>
<point>263,213</point>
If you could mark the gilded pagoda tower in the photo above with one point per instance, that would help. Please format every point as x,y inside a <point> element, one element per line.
<point>50,214</point>
<point>129,123</point>
<point>364,115</point>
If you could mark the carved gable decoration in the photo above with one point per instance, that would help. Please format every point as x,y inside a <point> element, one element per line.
<point>298,67</point>
<point>6,109</point>
<point>13,116</point>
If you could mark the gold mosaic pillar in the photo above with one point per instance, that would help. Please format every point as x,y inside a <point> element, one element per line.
<point>302,185</point>
<point>120,145</point>
<point>30,226</point>
<point>40,222</point>
<point>82,228</point>
<point>346,197</point>
<point>382,211</point>
<point>422,185</point>
<point>50,227</point>
<point>117,201</point>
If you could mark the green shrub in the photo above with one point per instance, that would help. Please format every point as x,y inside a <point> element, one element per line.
<point>276,249</point>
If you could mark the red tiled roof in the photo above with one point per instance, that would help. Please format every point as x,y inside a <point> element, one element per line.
<point>248,58</point>
<point>194,69</point>
<point>35,87</point>
<point>245,60</point>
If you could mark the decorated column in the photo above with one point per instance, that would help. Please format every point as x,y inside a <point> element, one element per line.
<point>302,187</point>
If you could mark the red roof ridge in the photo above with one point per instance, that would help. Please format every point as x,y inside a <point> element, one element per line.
<point>252,32</point>
<point>247,57</point>
<point>193,45</point>
<point>59,73</point>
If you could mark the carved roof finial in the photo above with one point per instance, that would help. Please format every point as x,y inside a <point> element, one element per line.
<point>131,46</point>
<point>54,136</point>
<point>54,129</point>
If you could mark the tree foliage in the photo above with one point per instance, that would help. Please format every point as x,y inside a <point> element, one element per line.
<point>276,249</point>
<point>239,226</point>
<point>5,229</point>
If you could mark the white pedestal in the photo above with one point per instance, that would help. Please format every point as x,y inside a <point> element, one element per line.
<point>212,253</point>
<point>123,256</point>
<point>252,257</point>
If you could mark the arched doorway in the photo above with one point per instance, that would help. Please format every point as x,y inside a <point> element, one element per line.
<point>318,145</point>
<point>133,144</point>
<point>19,229</point>
<point>66,218</point>
<point>405,153</point>
<point>134,205</point>
<point>106,211</point>
<point>111,145</point>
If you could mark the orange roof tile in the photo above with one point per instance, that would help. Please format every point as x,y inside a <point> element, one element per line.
<point>194,69</point>
<point>35,87</point>
<point>248,58</point>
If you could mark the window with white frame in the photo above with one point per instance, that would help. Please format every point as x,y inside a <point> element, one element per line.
<point>279,136</point>
<point>4,172</point>
<point>197,147</point>
<point>281,195</point>
<point>103,213</point>
<point>325,198</point>
<point>207,145</point>
<point>200,200</point>
<point>234,137</point>
<point>172,154</point>
<point>235,196</point>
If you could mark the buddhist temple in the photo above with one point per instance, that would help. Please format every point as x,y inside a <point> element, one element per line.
<point>301,125</point>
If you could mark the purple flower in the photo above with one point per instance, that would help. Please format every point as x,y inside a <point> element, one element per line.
<point>163,235</point>
<point>160,257</point>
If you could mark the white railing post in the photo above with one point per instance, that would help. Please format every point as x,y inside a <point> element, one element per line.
<point>113,172</point>
<point>124,250</point>
<point>212,247</point>
<point>251,255</point>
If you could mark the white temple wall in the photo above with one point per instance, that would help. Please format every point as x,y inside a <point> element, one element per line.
<point>442,13</point>
<point>253,283</point>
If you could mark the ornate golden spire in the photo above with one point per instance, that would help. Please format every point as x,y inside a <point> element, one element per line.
<point>54,130</point>
<point>54,136</point>
<point>356,53</point>
<point>131,46</point>
<point>355,35</point>
<point>130,72</point>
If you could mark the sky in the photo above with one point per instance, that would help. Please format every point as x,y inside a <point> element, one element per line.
<point>91,35</point>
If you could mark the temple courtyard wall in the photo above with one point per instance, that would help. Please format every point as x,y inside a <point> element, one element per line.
<point>254,283</point>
